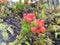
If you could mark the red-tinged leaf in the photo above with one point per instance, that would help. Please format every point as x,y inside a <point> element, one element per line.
<point>33,29</point>
<point>30,15</point>
<point>42,30</point>
<point>41,25</point>
<point>38,31</point>
<point>37,21</point>
<point>33,18</point>
<point>42,21</point>
<point>24,15</point>
<point>29,20</point>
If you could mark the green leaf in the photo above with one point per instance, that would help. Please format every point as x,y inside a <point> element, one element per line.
<point>5,35</point>
<point>2,27</point>
<point>33,23</point>
<point>58,21</point>
<point>25,28</point>
<point>2,43</point>
<point>27,43</point>
<point>1,20</point>
<point>43,16</point>
<point>10,30</point>
<point>14,43</point>
<point>19,6</point>
<point>19,44</point>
